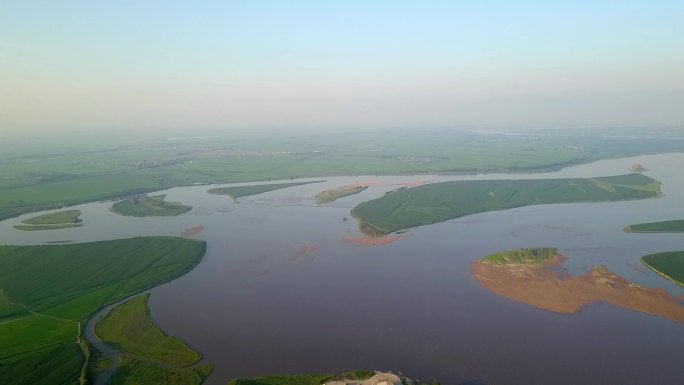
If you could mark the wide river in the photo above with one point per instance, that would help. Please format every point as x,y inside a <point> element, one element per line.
<point>281,291</point>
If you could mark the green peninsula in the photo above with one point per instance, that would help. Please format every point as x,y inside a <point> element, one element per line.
<point>526,255</point>
<point>128,327</point>
<point>243,191</point>
<point>47,292</point>
<point>149,206</point>
<point>58,220</point>
<point>676,226</point>
<point>670,265</point>
<point>438,202</point>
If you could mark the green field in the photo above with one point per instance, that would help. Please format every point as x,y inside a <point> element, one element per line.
<point>534,255</point>
<point>48,291</point>
<point>49,173</point>
<point>53,221</point>
<point>128,328</point>
<point>148,206</point>
<point>337,193</point>
<point>432,203</point>
<point>669,264</point>
<point>243,191</point>
<point>676,226</point>
<point>133,372</point>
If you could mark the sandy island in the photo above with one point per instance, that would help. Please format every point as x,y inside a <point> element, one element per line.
<point>192,231</point>
<point>558,291</point>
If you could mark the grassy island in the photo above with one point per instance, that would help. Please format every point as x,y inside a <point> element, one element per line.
<point>676,226</point>
<point>236,192</point>
<point>128,327</point>
<point>438,202</point>
<point>149,206</point>
<point>537,255</point>
<point>670,265</point>
<point>49,291</point>
<point>328,196</point>
<point>59,220</point>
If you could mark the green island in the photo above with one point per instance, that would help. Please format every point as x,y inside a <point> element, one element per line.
<point>48,292</point>
<point>236,192</point>
<point>669,265</point>
<point>59,220</point>
<point>149,206</point>
<point>350,377</point>
<point>526,255</point>
<point>128,328</point>
<point>331,195</point>
<point>676,226</point>
<point>405,208</point>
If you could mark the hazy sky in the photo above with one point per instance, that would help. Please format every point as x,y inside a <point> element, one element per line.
<point>103,65</point>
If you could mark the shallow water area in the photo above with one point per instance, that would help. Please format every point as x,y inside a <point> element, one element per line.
<point>281,291</point>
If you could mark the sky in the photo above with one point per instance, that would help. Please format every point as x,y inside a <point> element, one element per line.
<point>327,65</point>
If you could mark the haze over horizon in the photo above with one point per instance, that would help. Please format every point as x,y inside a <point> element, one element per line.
<point>245,65</point>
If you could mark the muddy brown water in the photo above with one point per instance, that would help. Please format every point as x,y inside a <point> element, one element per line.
<point>258,304</point>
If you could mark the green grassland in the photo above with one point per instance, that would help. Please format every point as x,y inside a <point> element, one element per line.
<point>432,203</point>
<point>134,372</point>
<point>676,226</point>
<point>68,216</point>
<point>48,291</point>
<point>669,264</point>
<point>337,193</point>
<point>53,221</point>
<point>534,255</point>
<point>145,206</point>
<point>243,191</point>
<point>52,172</point>
<point>128,327</point>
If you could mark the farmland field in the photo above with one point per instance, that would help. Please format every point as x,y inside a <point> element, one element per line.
<point>48,291</point>
<point>432,203</point>
<point>52,173</point>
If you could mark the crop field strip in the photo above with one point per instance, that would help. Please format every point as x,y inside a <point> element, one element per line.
<point>60,286</point>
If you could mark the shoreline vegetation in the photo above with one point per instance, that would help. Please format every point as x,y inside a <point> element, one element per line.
<point>128,328</point>
<point>52,221</point>
<point>669,265</point>
<point>332,195</point>
<point>535,276</point>
<point>354,377</point>
<point>405,208</point>
<point>236,192</point>
<point>674,226</point>
<point>48,292</point>
<point>149,206</point>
